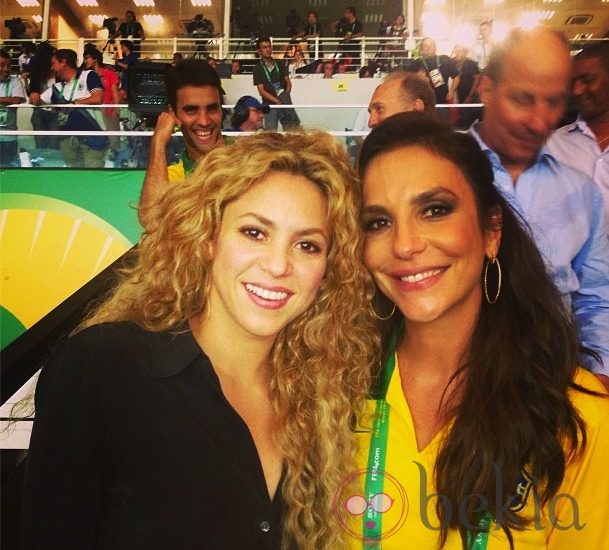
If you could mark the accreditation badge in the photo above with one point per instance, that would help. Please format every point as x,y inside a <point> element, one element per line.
<point>436,78</point>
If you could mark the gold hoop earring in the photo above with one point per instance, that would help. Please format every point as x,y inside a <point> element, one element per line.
<point>383,318</point>
<point>494,261</point>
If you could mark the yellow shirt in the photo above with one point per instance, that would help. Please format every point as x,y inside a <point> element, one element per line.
<point>175,172</point>
<point>411,519</point>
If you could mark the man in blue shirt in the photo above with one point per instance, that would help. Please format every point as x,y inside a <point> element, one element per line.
<point>524,91</point>
<point>584,144</point>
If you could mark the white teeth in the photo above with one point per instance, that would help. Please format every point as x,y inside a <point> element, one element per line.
<point>420,276</point>
<point>266,294</point>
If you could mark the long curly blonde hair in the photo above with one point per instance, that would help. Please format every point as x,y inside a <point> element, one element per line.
<point>321,361</point>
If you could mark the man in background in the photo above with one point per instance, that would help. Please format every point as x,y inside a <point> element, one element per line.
<point>11,93</point>
<point>248,114</point>
<point>439,69</point>
<point>274,86</point>
<point>194,93</point>
<point>584,145</point>
<point>524,90</point>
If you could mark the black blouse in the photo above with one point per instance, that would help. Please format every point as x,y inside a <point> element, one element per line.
<point>134,447</point>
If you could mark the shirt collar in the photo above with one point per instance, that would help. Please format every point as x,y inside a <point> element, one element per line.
<point>544,155</point>
<point>174,350</point>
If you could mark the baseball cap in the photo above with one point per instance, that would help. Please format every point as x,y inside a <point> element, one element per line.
<point>249,101</point>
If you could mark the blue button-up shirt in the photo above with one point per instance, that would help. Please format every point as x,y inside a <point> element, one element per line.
<point>564,210</point>
<point>576,146</point>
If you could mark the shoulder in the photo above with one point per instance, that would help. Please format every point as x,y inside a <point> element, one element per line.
<point>175,172</point>
<point>594,409</point>
<point>91,78</point>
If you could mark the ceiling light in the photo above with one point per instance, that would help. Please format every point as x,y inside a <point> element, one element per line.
<point>153,19</point>
<point>97,19</point>
<point>87,3</point>
<point>198,3</point>
<point>37,18</point>
<point>28,3</point>
<point>144,3</point>
<point>493,2</point>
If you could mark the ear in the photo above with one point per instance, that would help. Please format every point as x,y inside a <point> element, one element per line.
<point>485,88</point>
<point>418,105</point>
<point>493,233</point>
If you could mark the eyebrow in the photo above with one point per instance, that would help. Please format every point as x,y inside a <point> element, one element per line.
<point>418,200</point>
<point>269,223</point>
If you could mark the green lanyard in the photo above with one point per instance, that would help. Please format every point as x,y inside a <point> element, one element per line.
<point>266,70</point>
<point>188,164</point>
<point>74,83</point>
<point>7,86</point>
<point>377,456</point>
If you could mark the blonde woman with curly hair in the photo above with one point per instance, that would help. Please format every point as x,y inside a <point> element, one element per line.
<point>208,402</point>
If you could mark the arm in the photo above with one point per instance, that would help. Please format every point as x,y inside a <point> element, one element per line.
<point>268,97</point>
<point>11,100</point>
<point>63,483</point>
<point>591,301</point>
<point>155,181</point>
<point>95,98</point>
<point>17,93</point>
<point>450,96</point>
<point>470,95</point>
<point>288,83</point>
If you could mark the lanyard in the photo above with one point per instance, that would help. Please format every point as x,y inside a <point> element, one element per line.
<point>188,164</point>
<point>377,455</point>
<point>74,83</point>
<point>437,63</point>
<point>7,86</point>
<point>268,74</point>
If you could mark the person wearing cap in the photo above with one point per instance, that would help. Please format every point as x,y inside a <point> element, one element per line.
<point>194,93</point>
<point>248,115</point>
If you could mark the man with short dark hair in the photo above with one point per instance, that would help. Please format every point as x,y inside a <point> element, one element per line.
<point>194,93</point>
<point>400,92</point>
<point>524,90</point>
<point>129,57</point>
<point>248,114</point>
<point>274,86</point>
<point>80,88</point>
<point>11,92</point>
<point>584,145</point>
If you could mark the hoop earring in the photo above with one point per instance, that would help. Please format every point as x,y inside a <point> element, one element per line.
<point>383,318</point>
<point>492,261</point>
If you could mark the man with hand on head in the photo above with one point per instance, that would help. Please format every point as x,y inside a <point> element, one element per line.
<point>524,91</point>
<point>584,145</point>
<point>194,93</point>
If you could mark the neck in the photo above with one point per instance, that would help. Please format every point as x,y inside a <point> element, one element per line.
<point>244,361</point>
<point>513,168</point>
<point>600,127</point>
<point>195,155</point>
<point>70,74</point>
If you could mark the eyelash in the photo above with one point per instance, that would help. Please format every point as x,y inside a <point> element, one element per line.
<point>437,210</point>
<point>376,224</point>
<point>308,247</point>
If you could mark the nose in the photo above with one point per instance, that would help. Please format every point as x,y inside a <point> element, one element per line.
<point>276,260</point>
<point>373,120</point>
<point>203,118</point>
<point>408,240</point>
<point>578,88</point>
<point>541,120</point>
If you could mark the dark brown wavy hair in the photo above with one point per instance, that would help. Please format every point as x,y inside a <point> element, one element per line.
<point>514,411</point>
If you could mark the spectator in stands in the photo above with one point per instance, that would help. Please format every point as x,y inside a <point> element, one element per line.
<point>177,57</point>
<point>400,92</point>
<point>42,77</point>
<point>132,30</point>
<point>328,68</point>
<point>313,30</point>
<point>482,49</point>
<point>399,33</point>
<point>128,58</point>
<point>236,67</point>
<point>207,403</point>
<point>94,61</point>
<point>195,93</point>
<point>349,28</point>
<point>439,69</point>
<point>28,51</point>
<point>274,86</point>
<point>469,75</point>
<point>524,91</point>
<point>11,93</point>
<point>584,145</point>
<point>79,88</point>
<point>298,61</point>
<point>248,114</point>
<point>366,72</point>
